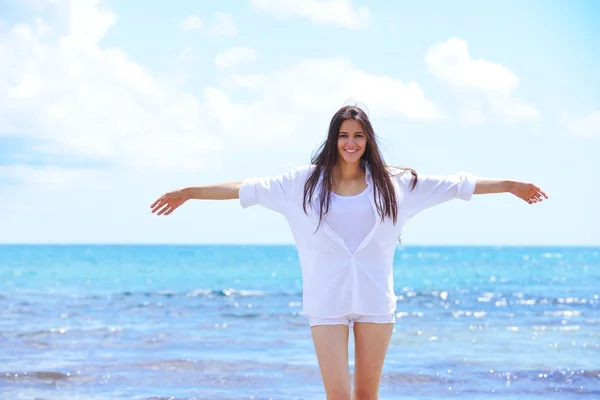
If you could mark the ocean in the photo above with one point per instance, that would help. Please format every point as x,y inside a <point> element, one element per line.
<point>160,322</point>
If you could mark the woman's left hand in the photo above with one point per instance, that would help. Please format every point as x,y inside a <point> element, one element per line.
<point>528,192</point>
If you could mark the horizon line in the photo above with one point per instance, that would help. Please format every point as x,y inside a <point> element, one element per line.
<point>267,244</point>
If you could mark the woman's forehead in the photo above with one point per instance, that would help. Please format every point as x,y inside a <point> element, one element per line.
<point>351,125</point>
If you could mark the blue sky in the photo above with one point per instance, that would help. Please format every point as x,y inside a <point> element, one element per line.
<point>108,104</point>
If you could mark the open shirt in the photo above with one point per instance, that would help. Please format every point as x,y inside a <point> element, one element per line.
<point>337,282</point>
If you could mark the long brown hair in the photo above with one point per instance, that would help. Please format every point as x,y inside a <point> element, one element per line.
<point>327,157</point>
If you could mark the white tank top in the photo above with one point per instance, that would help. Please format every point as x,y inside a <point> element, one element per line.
<point>351,217</point>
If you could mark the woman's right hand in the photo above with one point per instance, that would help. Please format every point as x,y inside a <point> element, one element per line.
<point>528,192</point>
<point>169,202</point>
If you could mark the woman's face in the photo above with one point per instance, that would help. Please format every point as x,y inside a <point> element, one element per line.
<point>352,141</point>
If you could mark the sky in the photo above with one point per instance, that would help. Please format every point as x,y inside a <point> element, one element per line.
<point>106,105</point>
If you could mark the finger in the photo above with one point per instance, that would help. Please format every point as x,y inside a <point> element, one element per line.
<point>538,191</point>
<point>539,195</point>
<point>157,201</point>
<point>163,209</point>
<point>157,205</point>
<point>170,210</point>
<point>174,206</point>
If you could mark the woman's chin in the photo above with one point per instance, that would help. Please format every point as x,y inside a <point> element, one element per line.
<point>350,159</point>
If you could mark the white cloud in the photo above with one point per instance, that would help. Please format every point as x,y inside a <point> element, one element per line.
<point>450,62</point>
<point>82,100</point>
<point>88,23</point>
<point>77,100</point>
<point>583,126</point>
<point>47,176</point>
<point>247,80</point>
<point>339,13</point>
<point>192,23</point>
<point>180,65</point>
<point>234,57</point>
<point>223,26</point>
<point>291,103</point>
<point>486,87</point>
<point>42,5</point>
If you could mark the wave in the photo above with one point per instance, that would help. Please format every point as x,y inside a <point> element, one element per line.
<point>36,375</point>
<point>106,330</point>
<point>403,294</point>
<point>227,292</point>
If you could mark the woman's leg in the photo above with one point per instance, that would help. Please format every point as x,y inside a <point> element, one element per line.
<point>331,345</point>
<point>371,342</point>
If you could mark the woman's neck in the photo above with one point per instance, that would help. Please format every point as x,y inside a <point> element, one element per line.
<point>348,172</point>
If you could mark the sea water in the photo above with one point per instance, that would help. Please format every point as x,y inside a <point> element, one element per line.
<point>222,322</point>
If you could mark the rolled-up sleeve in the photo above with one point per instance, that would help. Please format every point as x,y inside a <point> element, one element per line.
<point>432,190</point>
<point>274,193</point>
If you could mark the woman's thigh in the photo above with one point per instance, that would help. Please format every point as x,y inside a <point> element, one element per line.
<point>371,341</point>
<point>331,346</point>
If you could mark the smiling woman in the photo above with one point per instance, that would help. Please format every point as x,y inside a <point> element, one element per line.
<point>352,141</point>
<point>346,210</point>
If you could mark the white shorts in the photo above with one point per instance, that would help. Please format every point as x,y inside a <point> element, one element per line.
<point>350,319</point>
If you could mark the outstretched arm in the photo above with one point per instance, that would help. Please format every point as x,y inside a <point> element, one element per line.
<point>170,201</point>
<point>523,190</point>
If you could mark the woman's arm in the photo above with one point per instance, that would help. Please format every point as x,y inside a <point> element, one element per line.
<point>221,191</point>
<point>170,201</point>
<point>523,190</point>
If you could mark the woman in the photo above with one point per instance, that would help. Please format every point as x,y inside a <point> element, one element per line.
<point>345,211</point>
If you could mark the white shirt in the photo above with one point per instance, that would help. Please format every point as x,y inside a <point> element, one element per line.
<point>336,280</point>
<point>351,217</point>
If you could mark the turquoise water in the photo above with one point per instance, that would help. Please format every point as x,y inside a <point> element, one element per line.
<point>221,322</point>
